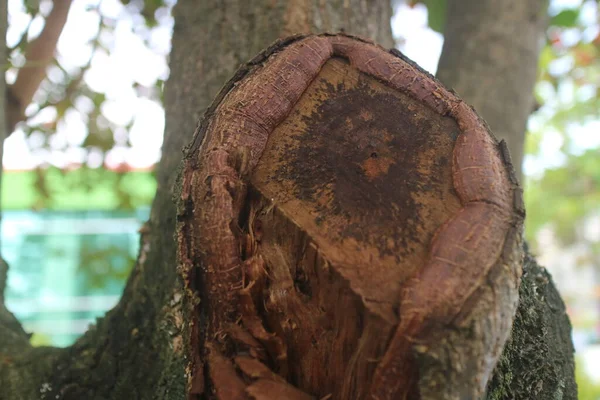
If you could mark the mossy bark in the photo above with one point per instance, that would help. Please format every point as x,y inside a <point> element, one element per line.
<point>537,362</point>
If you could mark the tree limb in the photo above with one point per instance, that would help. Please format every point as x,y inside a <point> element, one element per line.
<point>38,56</point>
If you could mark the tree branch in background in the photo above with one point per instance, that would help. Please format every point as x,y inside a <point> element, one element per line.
<point>38,56</point>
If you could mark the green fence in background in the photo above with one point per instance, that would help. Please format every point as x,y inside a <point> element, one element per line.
<point>67,267</point>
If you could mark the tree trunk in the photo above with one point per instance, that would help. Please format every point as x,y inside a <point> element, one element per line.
<point>147,347</point>
<point>537,362</point>
<point>490,58</point>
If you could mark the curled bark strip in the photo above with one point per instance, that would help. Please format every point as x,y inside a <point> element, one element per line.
<point>233,145</point>
<point>226,384</point>
<point>479,172</point>
<point>340,206</point>
<point>455,263</point>
<point>255,369</point>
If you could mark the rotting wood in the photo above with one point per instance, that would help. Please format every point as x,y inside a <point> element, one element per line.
<point>350,225</point>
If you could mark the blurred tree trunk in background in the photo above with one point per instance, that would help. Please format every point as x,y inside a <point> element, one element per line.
<point>490,58</point>
<point>140,349</point>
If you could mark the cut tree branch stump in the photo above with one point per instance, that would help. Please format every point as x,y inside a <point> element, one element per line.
<point>348,228</point>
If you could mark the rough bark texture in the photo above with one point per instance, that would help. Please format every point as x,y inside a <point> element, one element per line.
<point>288,234</point>
<point>490,58</point>
<point>538,359</point>
<point>137,350</point>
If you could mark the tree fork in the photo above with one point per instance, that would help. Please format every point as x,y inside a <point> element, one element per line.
<point>352,230</point>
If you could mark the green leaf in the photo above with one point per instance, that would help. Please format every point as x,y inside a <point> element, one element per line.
<point>566,18</point>
<point>546,57</point>
<point>149,11</point>
<point>436,14</point>
<point>98,99</point>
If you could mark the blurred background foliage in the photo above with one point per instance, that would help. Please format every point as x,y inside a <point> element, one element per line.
<point>86,128</point>
<point>588,389</point>
<point>78,119</point>
<point>568,190</point>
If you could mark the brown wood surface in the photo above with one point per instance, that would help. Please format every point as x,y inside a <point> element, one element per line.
<point>346,220</point>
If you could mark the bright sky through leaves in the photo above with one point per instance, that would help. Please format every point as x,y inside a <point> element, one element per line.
<point>131,63</point>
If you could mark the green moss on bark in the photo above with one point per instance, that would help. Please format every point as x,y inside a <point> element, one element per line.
<point>537,362</point>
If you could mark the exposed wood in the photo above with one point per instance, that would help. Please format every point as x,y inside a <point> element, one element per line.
<point>357,220</point>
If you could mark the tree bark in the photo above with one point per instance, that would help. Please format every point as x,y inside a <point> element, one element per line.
<point>537,362</point>
<point>318,192</point>
<point>142,348</point>
<point>490,58</point>
<point>138,350</point>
